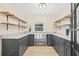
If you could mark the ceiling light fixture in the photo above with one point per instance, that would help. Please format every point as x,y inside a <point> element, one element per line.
<point>42,5</point>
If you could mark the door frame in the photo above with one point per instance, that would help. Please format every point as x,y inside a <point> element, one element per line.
<point>73,27</point>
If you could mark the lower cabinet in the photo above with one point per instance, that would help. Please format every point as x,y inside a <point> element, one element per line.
<point>31,39</point>
<point>77,50</point>
<point>10,47</point>
<point>62,46</point>
<point>67,48</point>
<point>49,40</point>
<point>58,45</point>
<point>21,47</point>
<point>16,47</point>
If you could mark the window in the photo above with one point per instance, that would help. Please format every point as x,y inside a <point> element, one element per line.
<point>38,27</point>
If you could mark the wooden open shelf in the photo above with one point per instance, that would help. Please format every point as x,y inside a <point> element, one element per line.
<point>15,21</point>
<point>13,24</point>
<point>9,23</point>
<point>9,14</point>
<point>61,22</point>
<point>23,26</point>
<point>20,19</point>
<point>63,25</point>
<point>64,18</point>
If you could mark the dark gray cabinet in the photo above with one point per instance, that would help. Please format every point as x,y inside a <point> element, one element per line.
<point>31,39</point>
<point>67,48</point>
<point>77,50</point>
<point>56,45</point>
<point>16,47</point>
<point>20,47</point>
<point>49,40</point>
<point>10,47</point>
<point>23,44</point>
<point>62,46</point>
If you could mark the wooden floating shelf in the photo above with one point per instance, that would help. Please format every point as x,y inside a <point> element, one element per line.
<point>64,18</point>
<point>59,23</point>
<point>23,26</point>
<point>20,23</point>
<point>9,23</point>
<point>9,14</point>
<point>19,19</point>
<point>13,24</point>
<point>64,25</point>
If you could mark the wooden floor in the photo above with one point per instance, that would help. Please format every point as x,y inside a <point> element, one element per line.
<point>40,51</point>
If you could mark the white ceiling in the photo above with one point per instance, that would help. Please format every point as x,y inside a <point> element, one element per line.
<point>33,9</point>
<point>27,10</point>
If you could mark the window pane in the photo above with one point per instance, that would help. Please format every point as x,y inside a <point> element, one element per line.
<point>38,27</point>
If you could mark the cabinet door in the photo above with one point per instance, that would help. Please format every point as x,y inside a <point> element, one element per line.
<point>67,51</point>
<point>53,41</point>
<point>67,48</point>
<point>61,46</point>
<point>56,43</point>
<point>21,46</point>
<point>10,47</point>
<point>77,50</point>
<point>31,39</point>
<point>25,42</point>
<point>49,39</point>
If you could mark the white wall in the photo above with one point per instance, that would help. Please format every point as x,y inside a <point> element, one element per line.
<point>41,19</point>
<point>0,45</point>
<point>2,26</point>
